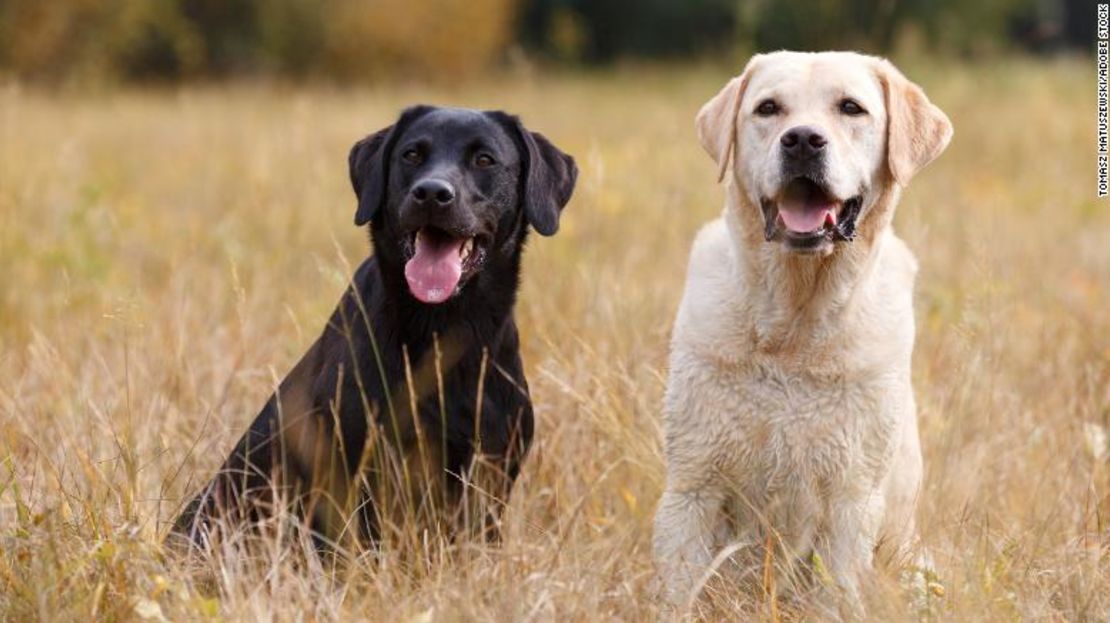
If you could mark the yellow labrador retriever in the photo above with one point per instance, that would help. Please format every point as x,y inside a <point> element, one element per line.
<point>789,412</point>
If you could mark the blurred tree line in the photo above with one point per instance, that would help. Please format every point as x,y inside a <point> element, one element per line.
<point>371,40</point>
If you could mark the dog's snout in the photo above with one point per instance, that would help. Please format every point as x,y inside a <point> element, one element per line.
<point>803,142</point>
<point>434,191</point>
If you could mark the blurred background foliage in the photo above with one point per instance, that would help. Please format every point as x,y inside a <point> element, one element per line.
<point>55,41</point>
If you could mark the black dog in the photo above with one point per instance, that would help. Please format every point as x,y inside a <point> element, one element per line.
<point>416,384</point>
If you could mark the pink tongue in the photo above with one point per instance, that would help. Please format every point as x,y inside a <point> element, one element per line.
<point>434,271</point>
<point>804,218</point>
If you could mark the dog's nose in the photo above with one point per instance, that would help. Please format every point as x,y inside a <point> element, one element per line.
<point>435,191</point>
<point>803,142</point>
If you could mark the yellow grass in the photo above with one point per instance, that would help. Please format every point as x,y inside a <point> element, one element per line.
<point>166,257</point>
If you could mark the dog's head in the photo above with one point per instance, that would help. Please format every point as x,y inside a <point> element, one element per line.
<point>448,191</point>
<point>816,138</point>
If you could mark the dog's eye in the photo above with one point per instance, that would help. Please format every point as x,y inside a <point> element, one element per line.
<point>851,108</point>
<point>767,108</point>
<point>412,156</point>
<point>484,160</point>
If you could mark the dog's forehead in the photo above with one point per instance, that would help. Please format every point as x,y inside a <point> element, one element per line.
<point>815,77</point>
<point>459,126</point>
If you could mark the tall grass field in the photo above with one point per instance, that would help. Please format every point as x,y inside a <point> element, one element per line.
<point>167,255</point>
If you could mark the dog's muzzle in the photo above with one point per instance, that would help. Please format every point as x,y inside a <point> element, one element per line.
<point>806,216</point>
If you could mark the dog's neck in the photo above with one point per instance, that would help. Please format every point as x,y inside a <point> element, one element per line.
<point>794,299</point>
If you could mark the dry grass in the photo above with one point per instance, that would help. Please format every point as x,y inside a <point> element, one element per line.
<point>168,256</point>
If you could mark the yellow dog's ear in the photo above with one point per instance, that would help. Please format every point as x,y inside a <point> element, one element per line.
<point>716,121</point>
<point>916,130</point>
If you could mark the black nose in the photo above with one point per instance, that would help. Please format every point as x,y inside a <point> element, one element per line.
<point>803,142</point>
<point>433,190</point>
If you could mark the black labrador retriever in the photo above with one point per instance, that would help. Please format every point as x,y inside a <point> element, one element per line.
<point>415,394</point>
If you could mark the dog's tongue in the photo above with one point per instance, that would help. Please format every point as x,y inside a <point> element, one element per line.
<point>435,269</point>
<point>804,218</point>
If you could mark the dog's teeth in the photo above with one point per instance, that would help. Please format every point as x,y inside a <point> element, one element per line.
<point>467,247</point>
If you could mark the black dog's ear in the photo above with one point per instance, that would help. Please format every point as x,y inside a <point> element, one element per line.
<point>369,164</point>
<point>548,176</point>
<point>369,173</point>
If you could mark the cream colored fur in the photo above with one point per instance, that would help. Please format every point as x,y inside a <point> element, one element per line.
<point>789,409</point>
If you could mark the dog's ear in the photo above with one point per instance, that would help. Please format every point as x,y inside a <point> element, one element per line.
<point>916,130</point>
<point>716,121</point>
<point>369,164</point>
<point>548,175</point>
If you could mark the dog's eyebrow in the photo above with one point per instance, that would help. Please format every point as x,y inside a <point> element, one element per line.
<point>414,141</point>
<point>756,97</point>
<point>480,143</point>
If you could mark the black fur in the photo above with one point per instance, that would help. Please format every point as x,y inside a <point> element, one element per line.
<point>351,391</point>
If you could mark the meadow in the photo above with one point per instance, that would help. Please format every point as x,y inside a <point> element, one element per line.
<point>168,254</point>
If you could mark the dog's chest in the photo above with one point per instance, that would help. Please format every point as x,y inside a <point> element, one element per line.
<point>808,431</point>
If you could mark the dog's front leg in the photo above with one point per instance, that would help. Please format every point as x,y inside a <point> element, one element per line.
<point>849,547</point>
<point>684,527</point>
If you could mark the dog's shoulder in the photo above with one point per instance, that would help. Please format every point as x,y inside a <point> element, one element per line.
<point>713,294</point>
<point>898,261</point>
<point>891,287</point>
<point>711,252</point>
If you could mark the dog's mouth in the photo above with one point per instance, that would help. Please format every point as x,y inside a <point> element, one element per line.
<point>807,217</point>
<point>438,262</point>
